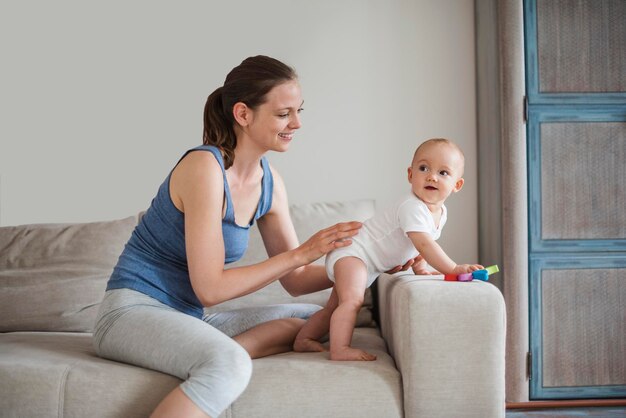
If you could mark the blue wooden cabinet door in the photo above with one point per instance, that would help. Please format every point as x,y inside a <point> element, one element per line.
<point>576,122</point>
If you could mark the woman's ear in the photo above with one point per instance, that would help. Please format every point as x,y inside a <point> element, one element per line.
<point>241,113</point>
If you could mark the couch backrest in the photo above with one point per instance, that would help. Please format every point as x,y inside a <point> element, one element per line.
<point>53,276</point>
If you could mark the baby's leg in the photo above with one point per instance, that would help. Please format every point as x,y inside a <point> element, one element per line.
<point>316,327</point>
<point>350,284</point>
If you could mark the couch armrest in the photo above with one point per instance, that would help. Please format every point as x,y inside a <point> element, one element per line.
<point>447,339</point>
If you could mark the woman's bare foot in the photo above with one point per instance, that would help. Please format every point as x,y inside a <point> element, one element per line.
<point>351,354</point>
<point>307,345</point>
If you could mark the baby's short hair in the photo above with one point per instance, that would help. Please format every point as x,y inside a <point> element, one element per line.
<point>439,141</point>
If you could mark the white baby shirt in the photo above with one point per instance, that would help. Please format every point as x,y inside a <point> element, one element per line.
<point>384,237</point>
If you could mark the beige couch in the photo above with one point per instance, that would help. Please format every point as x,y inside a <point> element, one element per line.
<point>440,345</point>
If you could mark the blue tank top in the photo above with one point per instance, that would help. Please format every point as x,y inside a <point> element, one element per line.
<point>154,260</point>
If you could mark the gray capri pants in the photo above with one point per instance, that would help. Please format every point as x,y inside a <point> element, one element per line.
<point>134,328</point>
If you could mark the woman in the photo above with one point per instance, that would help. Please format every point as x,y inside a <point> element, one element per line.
<point>174,263</point>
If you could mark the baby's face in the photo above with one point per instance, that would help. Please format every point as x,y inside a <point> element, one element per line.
<point>436,172</point>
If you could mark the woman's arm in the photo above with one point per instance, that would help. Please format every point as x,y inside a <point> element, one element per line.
<point>197,188</point>
<point>279,236</point>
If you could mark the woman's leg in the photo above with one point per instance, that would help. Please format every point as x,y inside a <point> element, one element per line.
<point>237,321</point>
<point>263,330</point>
<point>271,337</point>
<point>136,329</point>
<point>177,404</point>
<point>350,283</point>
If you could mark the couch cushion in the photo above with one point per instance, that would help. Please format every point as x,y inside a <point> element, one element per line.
<point>307,220</point>
<point>310,385</point>
<point>58,374</point>
<point>45,374</point>
<point>53,276</point>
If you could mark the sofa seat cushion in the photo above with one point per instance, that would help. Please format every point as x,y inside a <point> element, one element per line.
<point>45,372</point>
<point>59,374</point>
<point>309,385</point>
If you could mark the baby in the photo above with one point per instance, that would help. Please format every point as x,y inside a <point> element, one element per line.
<point>407,230</point>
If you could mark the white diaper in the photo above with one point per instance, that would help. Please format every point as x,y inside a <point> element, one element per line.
<point>353,250</point>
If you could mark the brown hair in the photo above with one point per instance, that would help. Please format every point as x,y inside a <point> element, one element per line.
<point>248,83</point>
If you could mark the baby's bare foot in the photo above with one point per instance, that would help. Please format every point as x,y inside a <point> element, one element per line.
<point>305,345</point>
<point>351,354</point>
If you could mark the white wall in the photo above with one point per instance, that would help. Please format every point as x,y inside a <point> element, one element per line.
<point>99,99</point>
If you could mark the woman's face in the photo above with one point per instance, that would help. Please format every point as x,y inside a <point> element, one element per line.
<point>273,124</point>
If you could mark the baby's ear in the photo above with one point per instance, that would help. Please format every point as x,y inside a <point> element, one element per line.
<point>409,174</point>
<point>458,185</point>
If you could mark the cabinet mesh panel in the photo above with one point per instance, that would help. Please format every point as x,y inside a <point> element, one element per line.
<point>583,180</point>
<point>584,327</point>
<point>581,46</point>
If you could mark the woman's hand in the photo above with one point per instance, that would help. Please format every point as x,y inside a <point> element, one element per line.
<point>417,264</point>
<point>326,240</point>
<point>406,265</point>
<point>421,267</point>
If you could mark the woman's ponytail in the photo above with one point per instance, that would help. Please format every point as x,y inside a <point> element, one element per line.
<point>218,127</point>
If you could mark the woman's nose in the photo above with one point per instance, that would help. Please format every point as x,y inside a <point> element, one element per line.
<point>295,122</point>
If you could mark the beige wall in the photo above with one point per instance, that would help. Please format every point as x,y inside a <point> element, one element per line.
<point>99,100</point>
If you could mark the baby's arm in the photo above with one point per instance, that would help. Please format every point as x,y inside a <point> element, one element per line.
<point>436,257</point>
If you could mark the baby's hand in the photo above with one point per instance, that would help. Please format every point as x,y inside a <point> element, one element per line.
<point>466,268</point>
